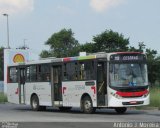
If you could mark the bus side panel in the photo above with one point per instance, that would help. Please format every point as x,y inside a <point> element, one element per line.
<point>13,93</point>
<point>42,90</point>
<point>72,92</point>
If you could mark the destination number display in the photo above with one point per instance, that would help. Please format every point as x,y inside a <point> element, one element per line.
<point>128,57</point>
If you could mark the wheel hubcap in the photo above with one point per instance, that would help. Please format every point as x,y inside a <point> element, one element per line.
<point>87,105</point>
<point>34,104</point>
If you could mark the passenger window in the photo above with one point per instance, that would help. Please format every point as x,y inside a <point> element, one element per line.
<point>13,75</point>
<point>86,70</point>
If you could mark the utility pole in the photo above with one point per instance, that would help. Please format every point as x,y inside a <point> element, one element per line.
<point>7,31</point>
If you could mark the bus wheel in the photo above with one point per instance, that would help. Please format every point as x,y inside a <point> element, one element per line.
<point>121,110</point>
<point>64,108</point>
<point>87,105</point>
<point>35,103</point>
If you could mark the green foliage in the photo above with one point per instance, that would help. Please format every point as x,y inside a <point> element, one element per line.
<point>3,98</point>
<point>155,97</point>
<point>151,54</point>
<point>133,49</point>
<point>88,47</point>
<point>62,44</point>
<point>153,66</point>
<point>45,54</point>
<point>110,41</point>
<point>141,46</point>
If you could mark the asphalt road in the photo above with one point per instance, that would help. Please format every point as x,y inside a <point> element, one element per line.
<point>73,118</point>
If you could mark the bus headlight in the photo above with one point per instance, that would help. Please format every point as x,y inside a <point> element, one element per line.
<point>116,95</point>
<point>145,95</point>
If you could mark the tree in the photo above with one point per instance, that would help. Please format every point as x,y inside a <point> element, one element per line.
<point>153,65</point>
<point>141,46</point>
<point>133,49</point>
<point>110,41</point>
<point>1,63</point>
<point>88,47</point>
<point>45,54</point>
<point>62,44</point>
<point>157,69</point>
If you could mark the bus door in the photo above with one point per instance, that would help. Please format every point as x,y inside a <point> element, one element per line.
<point>101,83</point>
<point>22,85</point>
<point>57,85</point>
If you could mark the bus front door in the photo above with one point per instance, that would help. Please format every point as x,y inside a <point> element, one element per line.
<point>101,83</point>
<point>57,85</point>
<point>22,85</point>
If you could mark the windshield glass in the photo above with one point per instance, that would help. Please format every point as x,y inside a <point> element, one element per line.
<point>122,75</point>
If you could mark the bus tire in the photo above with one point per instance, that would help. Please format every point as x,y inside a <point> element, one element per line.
<point>63,109</point>
<point>121,110</point>
<point>35,103</point>
<point>87,105</point>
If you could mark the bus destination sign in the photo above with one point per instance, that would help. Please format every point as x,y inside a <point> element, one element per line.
<point>128,57</point>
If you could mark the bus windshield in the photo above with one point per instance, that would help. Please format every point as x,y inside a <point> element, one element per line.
<point>127,74</point>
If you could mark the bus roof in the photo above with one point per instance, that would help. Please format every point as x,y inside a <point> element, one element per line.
<point>67,59</point>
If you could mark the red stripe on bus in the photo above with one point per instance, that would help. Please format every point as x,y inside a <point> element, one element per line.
<point>17,91</point>
<point>64,88</point>
<point>66,59</point>
<point>94,89</point>
<point>130,94</point>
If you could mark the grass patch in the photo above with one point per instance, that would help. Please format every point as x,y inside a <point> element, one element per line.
<point>155,97</point>
<point>3,98</point>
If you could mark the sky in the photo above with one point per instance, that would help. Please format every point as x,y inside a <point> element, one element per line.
<point>34,21</point>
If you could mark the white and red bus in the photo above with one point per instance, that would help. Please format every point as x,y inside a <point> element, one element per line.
<point>101,80</point>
